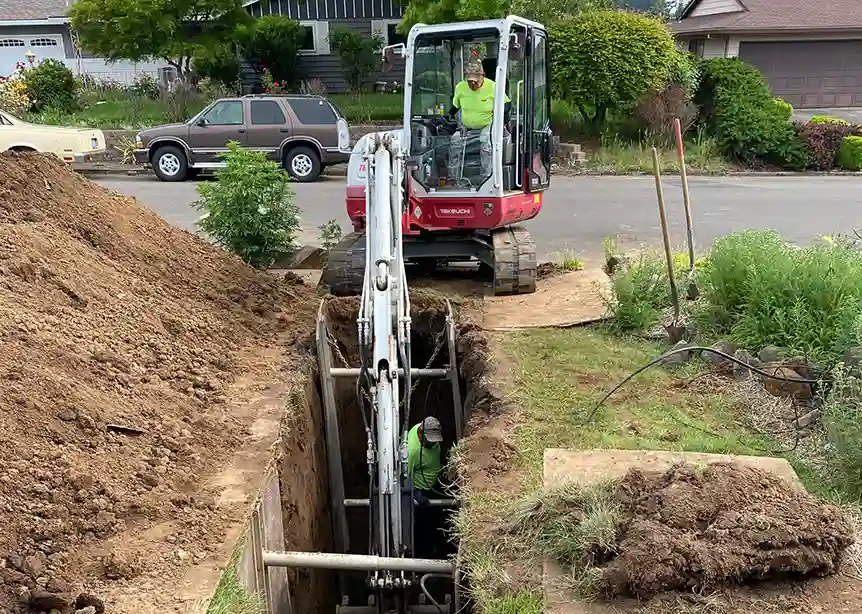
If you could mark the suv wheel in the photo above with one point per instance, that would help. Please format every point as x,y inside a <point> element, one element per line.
<point>170,163</point>
<point>303,164</point>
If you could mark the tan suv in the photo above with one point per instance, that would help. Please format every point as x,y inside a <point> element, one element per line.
<point>304,133</point>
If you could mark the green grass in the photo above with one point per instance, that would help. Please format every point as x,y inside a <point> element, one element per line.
<point>616,156</point>
<point>231,597</point>
<point>117,109</point>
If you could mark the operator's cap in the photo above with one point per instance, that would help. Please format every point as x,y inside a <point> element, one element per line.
<point>474,71</point>
<point>431,430</point>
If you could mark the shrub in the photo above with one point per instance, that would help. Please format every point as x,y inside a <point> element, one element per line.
<point>641,293</point>
<point>738,109</point>
<point>783,109</point>
<point>13,92</point>
<point>605,60</point>
<point>657,111</point>
<point>850,153</point>
<point>313,87</point>
<point>358,55</point>
<point>823,141</point>
<point>146,86</point>
<point>180,101</point>
<point>274,42</point>
<point>250,210</point>
<point>824,119</point>
<point>762,291</point>
<point>52,85</point>
<point>218,63</point>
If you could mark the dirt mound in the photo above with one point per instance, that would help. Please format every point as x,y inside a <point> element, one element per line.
<point>727,524</point>
<point>121,337</point>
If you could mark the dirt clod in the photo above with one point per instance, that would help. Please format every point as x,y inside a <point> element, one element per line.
<point>687,529</point>
<point>110,316</point>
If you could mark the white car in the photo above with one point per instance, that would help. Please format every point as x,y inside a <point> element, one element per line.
<point>67,143</point>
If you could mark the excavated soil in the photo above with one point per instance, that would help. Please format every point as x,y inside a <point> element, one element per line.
<point>727,524</point>
<point>122,338</point>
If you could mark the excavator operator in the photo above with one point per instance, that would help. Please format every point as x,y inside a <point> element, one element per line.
<point>474,97</point>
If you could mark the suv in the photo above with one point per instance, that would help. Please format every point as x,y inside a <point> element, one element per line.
<point>304,133</point>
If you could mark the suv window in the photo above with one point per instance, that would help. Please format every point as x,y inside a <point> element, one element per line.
<point>4,121</point>
<point>225,113</point>
<point>313,111</point>
<point>266,113</point>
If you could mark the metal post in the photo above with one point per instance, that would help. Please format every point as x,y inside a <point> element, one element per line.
<point>355,562</point>
<point>453,373</point>
<point>333,442</point>
<point>431,502</point>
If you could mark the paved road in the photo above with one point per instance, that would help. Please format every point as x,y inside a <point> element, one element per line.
<point>580,211</point>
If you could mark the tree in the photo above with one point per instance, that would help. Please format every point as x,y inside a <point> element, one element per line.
<point>358,54</point>
<point>142,29</point>
<point>605,60</point>
<point>274,42</point>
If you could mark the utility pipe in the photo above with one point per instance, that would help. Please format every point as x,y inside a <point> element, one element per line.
<point>431,503</point>
<point>355,562</point>
<point>354,372</point>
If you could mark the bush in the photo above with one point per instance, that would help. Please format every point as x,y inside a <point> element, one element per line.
<point>641,293</point>
<point>218,63</point>
<point>850,153</point>
<point>358,54</point>
<point>762,291</point>
<point>823,141</point>
<point>250,210</point>
<point>605,60</point>
<point>658,110</point>
<point>824,119</point>
<point>181,101</point>
<point>52,85</point>
<point>783,109</point>
<point>739,110</point>
<point>273,43</point>
<point>146,86</point>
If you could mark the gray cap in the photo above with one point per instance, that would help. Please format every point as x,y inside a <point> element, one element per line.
<point>431,430</point>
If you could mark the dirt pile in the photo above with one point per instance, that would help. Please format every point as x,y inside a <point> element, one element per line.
<point>120,337</point>
<point>727,524</point>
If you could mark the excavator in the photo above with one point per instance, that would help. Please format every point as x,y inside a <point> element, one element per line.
<point>416,202</point>
<point>460,203</point>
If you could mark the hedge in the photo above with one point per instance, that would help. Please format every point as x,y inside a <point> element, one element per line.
<point>850,153</point>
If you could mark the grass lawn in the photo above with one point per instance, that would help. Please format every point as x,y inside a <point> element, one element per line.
<point>613,156</point>
<point>556,378</point>
<point>127,111</point>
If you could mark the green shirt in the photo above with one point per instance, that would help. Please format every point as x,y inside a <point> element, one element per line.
<point>477,108</point>
<point>424,470</point>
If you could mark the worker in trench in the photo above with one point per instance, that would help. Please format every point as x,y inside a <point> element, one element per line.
<point>425,466</point>
<point>474,97</point>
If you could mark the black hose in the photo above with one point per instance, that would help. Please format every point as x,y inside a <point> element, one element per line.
<point>425,589</point>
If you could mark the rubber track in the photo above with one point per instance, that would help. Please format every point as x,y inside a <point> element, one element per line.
<point>514,261</point>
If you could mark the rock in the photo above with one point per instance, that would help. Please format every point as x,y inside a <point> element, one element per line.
<point>119,566</point>
<point>770,353</point>
<point>45,601</point>
<point>150,479</point>
<point>717,361</point>
<point>85,600</point>
<point>783,388</point>
<point>806,369</point>
<point>23,594</point>
<point>35,564</point>
<point>806,420</point>
<point>67,415</point>
<point>681,356</point>
<point>740,371</point>
<point>56,585</point>
<point>90,609</point>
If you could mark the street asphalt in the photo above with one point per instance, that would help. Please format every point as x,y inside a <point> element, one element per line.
<point>579,212</point>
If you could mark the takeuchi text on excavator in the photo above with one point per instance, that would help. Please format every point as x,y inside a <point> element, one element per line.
<point>477,146</point>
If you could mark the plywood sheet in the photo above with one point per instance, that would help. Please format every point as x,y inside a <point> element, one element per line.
<point>835,594</point>
<point>569,299</point>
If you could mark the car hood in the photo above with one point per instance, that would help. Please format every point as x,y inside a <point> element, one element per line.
<point>165,130</point>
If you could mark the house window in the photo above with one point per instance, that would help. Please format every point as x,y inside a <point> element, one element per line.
<point>316,38</point>
<point>393,36</point>
<point>43,42</point>
<point>11,42</point>
<point>696,47</point>
<point>387,31</point>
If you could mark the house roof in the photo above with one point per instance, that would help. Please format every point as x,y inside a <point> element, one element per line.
<point>774,16</point>
<point>22,10</point>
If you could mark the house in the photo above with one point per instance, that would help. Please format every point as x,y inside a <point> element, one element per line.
<point>318,17</point>
<point>41,27</point>
<point>809,51</point>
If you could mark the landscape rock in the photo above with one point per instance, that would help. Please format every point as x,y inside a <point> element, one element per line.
<point>805,369</point>
<point>680,357</point>
<point>783,388</point>
<point>88,610</point>
<point>718,362</point>
<point>45,601</point>
<point>770,353</point>
<point>85,600</point>
<point>808,419</point>
<point>740,371</point>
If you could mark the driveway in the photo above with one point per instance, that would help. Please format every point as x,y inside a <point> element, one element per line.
<point>851,114</point>
<point>580,211</point>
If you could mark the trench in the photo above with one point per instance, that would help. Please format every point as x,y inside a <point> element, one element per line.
<point>303,471</point>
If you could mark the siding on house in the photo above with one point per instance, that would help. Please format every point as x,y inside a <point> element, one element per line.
<point>716,7</point>
<point>364,16</point>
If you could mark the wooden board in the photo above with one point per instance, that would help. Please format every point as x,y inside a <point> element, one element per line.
<point>562,300</point>
<point>835,594</point>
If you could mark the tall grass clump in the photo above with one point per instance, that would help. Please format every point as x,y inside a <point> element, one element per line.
<point>842,421</point>
<point>762,291</point>
<point>641,293</point>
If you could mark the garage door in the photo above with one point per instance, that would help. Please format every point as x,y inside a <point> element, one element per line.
<point>810,74</point>
<point>13,48</point>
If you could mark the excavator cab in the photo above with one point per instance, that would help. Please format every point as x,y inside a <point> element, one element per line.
<point>494,75</point>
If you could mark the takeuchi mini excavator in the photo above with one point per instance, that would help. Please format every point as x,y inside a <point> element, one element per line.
<point>467,184</point>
